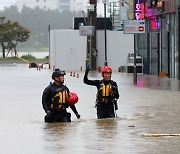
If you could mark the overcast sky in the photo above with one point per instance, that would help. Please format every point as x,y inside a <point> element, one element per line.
<point>6,3</point>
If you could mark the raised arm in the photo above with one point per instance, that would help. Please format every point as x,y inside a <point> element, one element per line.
<point>89,82</point>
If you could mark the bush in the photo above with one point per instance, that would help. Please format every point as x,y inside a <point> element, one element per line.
<point>28,57</point>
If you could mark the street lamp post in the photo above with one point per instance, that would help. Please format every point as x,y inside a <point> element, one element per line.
<point>88,48</point>
<point>105,39</point>
<point>49,42</point>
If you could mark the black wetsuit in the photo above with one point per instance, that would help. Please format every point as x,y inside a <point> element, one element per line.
<point>57,115</point>
<point>104,110</point>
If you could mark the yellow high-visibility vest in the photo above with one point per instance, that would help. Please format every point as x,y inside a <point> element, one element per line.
<point>62,96</point>
<point>106,89</point>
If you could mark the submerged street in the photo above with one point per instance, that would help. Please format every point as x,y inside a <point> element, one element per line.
<point>150,107</point>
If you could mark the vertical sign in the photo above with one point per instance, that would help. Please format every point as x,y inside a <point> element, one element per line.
<point>139,10</point>
<point>131,10</point>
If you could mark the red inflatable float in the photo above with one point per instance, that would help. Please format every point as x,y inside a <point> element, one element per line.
<point>72,99</point>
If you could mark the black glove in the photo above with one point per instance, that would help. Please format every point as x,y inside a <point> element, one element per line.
<point>87,69</point>
<point>78,115</point>
<point>48,117</point>
<point>49,114</point>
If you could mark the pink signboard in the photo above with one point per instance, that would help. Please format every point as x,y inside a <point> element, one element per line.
<point>139,10</point>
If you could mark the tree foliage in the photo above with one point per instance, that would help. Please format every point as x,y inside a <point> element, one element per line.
<point>11,33</point>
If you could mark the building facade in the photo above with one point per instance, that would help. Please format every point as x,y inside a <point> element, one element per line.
<point>65,5</point>
<point>42,4</point>
<point>60,5</point>
<point>159,46</point>
<point>80,5</point>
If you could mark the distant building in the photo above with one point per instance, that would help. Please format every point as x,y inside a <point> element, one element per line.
<point>80,5</point>
<point>65,5</point>
<point>60,5</point>
<point>42,4</point>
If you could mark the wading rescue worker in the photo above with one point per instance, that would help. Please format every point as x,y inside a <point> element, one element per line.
<point>57,98</point>
<point>107,93</point>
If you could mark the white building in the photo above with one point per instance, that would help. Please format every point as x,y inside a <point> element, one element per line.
<point>61,5</point>
<point>80,5</point>
<point>42,4</point>
<point>65,5</point>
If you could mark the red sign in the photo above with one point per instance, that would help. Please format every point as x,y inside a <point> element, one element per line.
<point>141,28</point>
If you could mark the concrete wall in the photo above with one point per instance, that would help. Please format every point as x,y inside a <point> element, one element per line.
<point>118,47</point>
<point>68,49</point>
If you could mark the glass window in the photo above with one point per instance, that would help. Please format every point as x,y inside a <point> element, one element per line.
<point>142,51</point>
<point>164,46</point>
<point>154,53</point>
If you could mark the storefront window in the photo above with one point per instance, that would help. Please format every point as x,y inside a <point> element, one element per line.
<point>154,53</point>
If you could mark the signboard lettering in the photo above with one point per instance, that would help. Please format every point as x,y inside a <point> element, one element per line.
<point>139,10</point>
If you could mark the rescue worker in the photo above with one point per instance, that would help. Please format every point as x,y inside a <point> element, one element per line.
<point>54,100</point>
<point>107,93</point>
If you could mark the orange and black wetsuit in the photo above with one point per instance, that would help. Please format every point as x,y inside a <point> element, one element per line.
<point>107,94</point>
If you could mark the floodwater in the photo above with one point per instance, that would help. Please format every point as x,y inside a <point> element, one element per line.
<point>150,107</point>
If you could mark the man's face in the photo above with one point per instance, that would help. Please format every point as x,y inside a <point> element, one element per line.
<point>60,78</point>
<point>107,76</point>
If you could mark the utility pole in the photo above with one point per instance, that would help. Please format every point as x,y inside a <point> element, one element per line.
<point>93,49</point>
<point>49,40</point>
<point>105,34</point>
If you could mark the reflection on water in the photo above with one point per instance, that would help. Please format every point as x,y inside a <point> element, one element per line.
<point>56,128</point>
<point>82,136</point>
<point>107,128</point>
<point>56,135</point>
<point>158,83</point>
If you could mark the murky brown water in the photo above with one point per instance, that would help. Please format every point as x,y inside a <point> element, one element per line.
<point>150,107</point>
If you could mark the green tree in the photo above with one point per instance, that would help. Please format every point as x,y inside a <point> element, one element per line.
<point>11,33</point>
